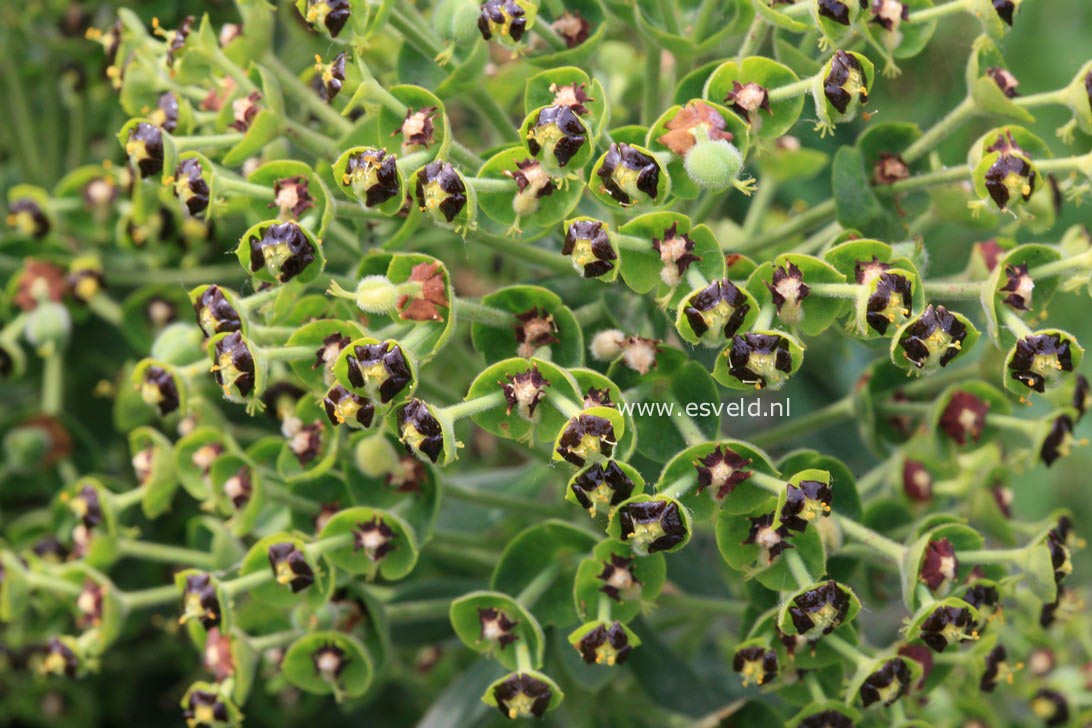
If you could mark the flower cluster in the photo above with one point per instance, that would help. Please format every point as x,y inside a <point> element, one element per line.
<point>417,418</point>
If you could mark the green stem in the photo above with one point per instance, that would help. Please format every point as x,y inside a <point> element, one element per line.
<point>940,380</point>
<point>462,554</point>
<point>288,353</point>
<point>1082,163</point>
<point>603,608</point>
<point>563,404</point>
<point>483,497</point>
<point>126,499</point>
<point>47,582</point>
<point>707,203</point>
<point>306,95</point>
<point>846,650</point>
<point>858,532</point>
<point>691,433</point>
<point>203,142</point>
<point>835,290</point>
<point>818,239</point>
<point>815,690</point>
<point>798,568</point>
<point>523,657</point>
<point>918,409</point>
<point>630,242</point>
<point>1015,323</point>
<point>220,60</point>
<point>371,90</point>
<point>480,313</point>
<point>525,251</point>
<point>246,582</point>
<point>874,477</point>
<point>831,414</point>
<point>1047,98</point>
<point>760,202</point>
<point>415,339</point>
<point>464,157</point>
<point>150,598</point>
<point>680,487</point>
<point>106,309</point>
<point>797,224</point>
<point>13,329</point>
<point>489,108</point>
<point>538,586</point>
<point>53,383</point>
<point>483,184</point>
<point>416,611</point>
<point>702,605</point>
<point>1008,422</point>
<point>925,597</point>
<point>792,90</point>
<point>651,83</point>
<point>414,29</point>
<point>954,487</point>
<point>331,543</point>
<point>410,163</point>
<point>284,496</point>
<point>68,471</point>
<point>472,407</point>
<point>929,179</point>
<point>276,639</point>
<point>16,104</point>
<point>768,483</point>
<point>753,38</point>
<point>356,210</point>
<point>549,36</point>
<point>589,313</point>
<point>166,553</point>
<point>954,290</point>
<point>939,11</point>
<point>226,183</point>
<point>308,137</point>
<point>274,333</point>
<point>765,316</point>
<point>667,14</point>
<point>942,129</point>
<point>993,556</point>
<point>1064,266</point>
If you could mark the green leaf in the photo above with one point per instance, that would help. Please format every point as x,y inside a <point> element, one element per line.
<point>733,530</point>
<point>395,565</point>
<point>550,544</point>
<point>667,678</point>
<point>857,205</point>
<point>1039,572</point>
<point>459,702</point>
<point>497,343</point>
<point>769,74</point>
<point>743,498</point>
<point>280,595</point>
<point>355,676</point>
<point>675,378</point>
<point>648,577</point>
<point>467,623</point>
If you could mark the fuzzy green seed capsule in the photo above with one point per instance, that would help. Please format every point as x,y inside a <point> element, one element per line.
<point>713,165</point>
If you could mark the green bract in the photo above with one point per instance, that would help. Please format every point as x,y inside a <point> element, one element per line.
<point>420,355</point>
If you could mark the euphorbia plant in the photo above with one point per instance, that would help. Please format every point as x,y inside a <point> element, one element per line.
<point>433,312</point>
